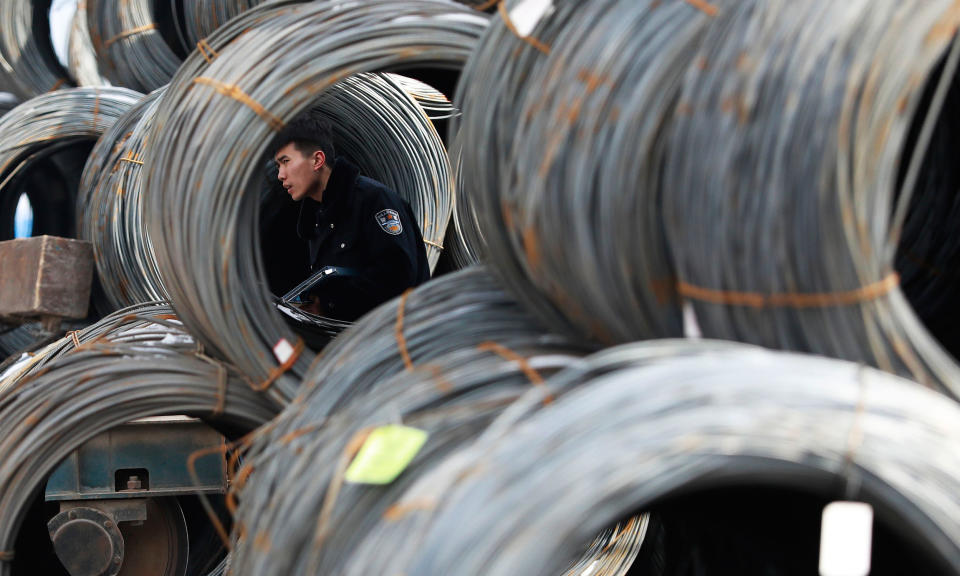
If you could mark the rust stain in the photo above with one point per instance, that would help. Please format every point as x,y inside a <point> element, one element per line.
<point>946,27</point>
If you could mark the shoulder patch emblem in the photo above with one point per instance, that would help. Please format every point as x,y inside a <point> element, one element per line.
<point>389,220</point>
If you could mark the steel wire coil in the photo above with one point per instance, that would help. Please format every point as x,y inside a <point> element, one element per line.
<point>202,17</point>
<point>453,368</point>
<point>81,56</point>
<point>27,58</point>
<point>464,245</point>
<point>34,134</point>
<point>456,311</point>
<point>614,551</point>
<point>731,415</point>
<point>453,399</point>
<point>149,323</point>
<point>106,386</point>
<point>788,174</point>
<point>110,211</point>
<point>434,103</point>
<point>366,110</point>
<point>566,174</point>
<point>17,340</point>
<point>131,48</point>
<point>200,219</point>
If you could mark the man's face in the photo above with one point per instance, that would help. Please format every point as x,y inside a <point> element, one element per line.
<point>299,173</point>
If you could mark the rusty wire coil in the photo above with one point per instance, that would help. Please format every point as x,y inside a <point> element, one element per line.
<point>131,44</point>
<point>27,58</point>
<point>366,110</point>
<point>110,211</point>
<point>141,364</point>
<point>563,127</point>
<point>202,17</point>
<point>790,166</point>
<point>447,359</point>
<point>646,421</point>
<point>81,56</point>
<point>43,145</point>
<point>200,216</point>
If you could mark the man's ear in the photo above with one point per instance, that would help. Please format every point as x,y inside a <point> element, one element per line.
<point>319,159</point>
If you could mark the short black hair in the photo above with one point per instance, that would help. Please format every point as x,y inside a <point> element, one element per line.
<point>309,132</point>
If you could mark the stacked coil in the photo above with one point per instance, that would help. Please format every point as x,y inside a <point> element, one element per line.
<point>786,182</point>
<point>110,210</point>
<point>852,432</point>
<point>151,368</point>
<point>27,58</point>
<point>202,17</point>
<point>368,112</point>
<point>130,46</point>
<point>81,56</point>
<point>566,187</point>
<point>447,359</point>
<point>33,134</point>
<point>201,217</point>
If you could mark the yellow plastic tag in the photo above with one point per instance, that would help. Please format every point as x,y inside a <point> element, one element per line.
<point>386,453</point>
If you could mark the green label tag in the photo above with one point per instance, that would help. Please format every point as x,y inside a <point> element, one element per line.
<point>386,453</point>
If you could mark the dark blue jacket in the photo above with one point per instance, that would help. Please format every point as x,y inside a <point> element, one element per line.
<point>364,226</point>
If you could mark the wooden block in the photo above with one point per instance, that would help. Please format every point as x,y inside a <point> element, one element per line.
<point>45,276</point>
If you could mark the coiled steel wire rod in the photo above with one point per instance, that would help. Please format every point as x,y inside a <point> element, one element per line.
<point>203,202</point>
<point>366,110</point>
<point>784,186</point>
<point>149,323</point>
<point>81,56</point>
<point>100,385</point>
<point>545,478</point>
<point>314,520</point>
<point>42,126</point>
<point>446,359</point>
<point>27,58</point>
<point>464,245</point>
<point>566,176</point>
<point>110,210</point>
<point>202,17</point>
<point>130,48</point>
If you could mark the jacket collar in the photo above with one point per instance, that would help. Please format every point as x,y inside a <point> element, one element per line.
<point>341,181</point>
<point>343,176</point>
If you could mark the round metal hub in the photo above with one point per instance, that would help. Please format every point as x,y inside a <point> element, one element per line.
<point>87,542</point>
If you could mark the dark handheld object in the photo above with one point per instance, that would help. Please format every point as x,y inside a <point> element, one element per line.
<point>316,280</point>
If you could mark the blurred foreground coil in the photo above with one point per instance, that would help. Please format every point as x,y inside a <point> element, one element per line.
<point>136,364</point>
<point>27,58</point>
<point>446,359</point>
<point>565,182</point>
<point>204,202</point>
<point>649,420</point>
<point>786,182</point>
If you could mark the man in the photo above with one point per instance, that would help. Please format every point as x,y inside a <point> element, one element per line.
<point>350,222</point>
